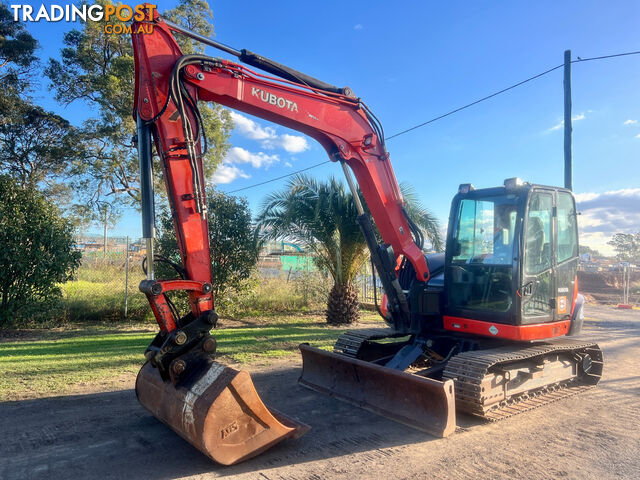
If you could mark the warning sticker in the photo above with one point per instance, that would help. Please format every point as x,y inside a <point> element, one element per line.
<point>562,304</point>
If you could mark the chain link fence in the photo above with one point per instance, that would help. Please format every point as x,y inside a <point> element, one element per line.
<point>291,265</point>
<point>365,284</point>
<point>105,287</point>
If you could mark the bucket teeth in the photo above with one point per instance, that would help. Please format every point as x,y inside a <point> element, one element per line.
<point>217,410</point>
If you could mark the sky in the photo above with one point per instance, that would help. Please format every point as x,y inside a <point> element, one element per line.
<point>414,60</point>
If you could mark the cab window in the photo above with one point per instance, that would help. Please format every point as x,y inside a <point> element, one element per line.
<point>567,227</point>
<point>484,231</point>
<point>538,234</point>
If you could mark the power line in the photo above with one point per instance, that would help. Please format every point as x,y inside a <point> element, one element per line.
<point>451,112</point>
<point>280,177</point>
<point>476,102</point>
<point>578,60</point>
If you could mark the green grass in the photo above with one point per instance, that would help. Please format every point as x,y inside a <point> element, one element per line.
<point>69,360</point>
<point>306,293</point>
<point>97,295</point>
<point>246,345</point>
<point>46,367</point>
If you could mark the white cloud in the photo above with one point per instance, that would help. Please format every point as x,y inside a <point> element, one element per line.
<point>228,170</point>
<point>625,192</point>
<point>258,160</point>
<point>267,136</point>
<point>288,164</point>
<point>290,143</point>
<point>251,129</point>
<point>603,214</point>
<point>358,26</point>
<point>294,143</point>
<point>638,136</point>
<point>630,122</point>
<point>585,197</point>
<point>575,118</point>
<point>226,173</point>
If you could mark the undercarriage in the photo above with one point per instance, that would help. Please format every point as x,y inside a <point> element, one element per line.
<point>490,379</point>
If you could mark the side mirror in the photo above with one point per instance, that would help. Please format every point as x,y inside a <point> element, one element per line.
<point>457,249</point>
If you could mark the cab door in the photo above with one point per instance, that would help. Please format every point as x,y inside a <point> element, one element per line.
<point>566,253</point>
<point>538,268</point>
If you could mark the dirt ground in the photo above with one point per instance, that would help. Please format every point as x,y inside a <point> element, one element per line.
<point>594,435</point>
<point>605,288</point>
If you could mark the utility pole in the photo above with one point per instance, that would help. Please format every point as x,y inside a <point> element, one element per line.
<point>104,212</point>
<point>126,279</point>
<point>568,173</point>
<point>104,254</point>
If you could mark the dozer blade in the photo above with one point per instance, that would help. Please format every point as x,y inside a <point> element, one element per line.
<point>217,410</point>
<point>418,402</point>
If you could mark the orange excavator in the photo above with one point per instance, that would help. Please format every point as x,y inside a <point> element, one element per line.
<point>479,329</point>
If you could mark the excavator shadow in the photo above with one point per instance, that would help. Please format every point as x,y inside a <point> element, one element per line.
<point>77,436</point>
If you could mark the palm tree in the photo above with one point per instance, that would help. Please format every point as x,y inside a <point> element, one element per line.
<point>322,217</point>
<point>426,220</point>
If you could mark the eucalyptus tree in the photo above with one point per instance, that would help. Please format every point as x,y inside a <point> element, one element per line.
<point>97,69</point>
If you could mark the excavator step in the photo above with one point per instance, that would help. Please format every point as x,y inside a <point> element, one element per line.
<point>217,410</point>
<point>418,402</point>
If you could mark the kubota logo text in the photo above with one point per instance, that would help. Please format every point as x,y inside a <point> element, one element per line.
<point>273,99</point>
<point>95,13</point>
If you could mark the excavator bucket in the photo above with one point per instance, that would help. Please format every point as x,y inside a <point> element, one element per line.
<point>217,410</point>
<point>418,402</point>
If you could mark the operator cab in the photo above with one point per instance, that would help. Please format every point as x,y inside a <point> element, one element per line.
<point>511,256</point>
